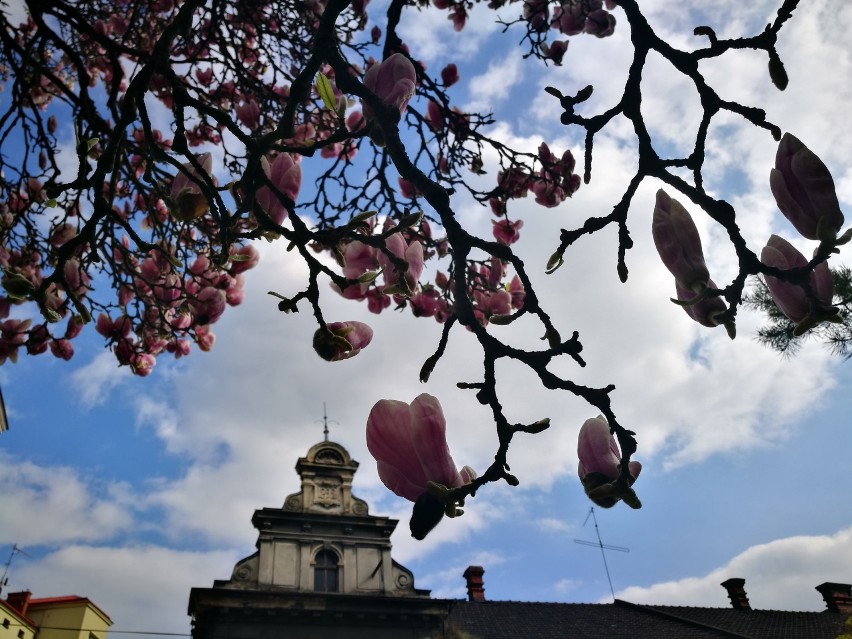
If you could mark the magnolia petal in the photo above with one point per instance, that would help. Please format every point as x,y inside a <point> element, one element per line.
<point>389,439</point>
<point>430,441</point>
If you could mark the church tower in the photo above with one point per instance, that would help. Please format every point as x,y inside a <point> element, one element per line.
<point>323,568</point>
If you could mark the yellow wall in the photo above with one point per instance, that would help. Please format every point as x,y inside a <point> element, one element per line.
<point>69,620</point>
<point>15,624</point>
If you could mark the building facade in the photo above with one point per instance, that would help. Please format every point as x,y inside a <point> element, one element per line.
<point>323,569</point>
<point>68,617</point>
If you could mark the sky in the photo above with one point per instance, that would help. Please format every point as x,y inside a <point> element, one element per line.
<point>131,491</point>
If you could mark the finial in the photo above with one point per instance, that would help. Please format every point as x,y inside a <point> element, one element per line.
<point>324,423</point>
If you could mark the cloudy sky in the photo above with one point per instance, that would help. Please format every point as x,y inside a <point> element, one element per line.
<point>131,491</point>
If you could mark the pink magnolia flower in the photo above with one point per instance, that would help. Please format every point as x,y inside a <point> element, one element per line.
<point>537,14</point>
<point>248,113</point>
<point>497,302</point>
<point>804,190</point>
<point>458,15</point>
<point>377,301</point>
<point>393,81</point>
<point>570,18</point>
<point>188,203</point>
<point>426,303</point>
<point>209,305</point>
<point>243,258</point>
<point>204,76</point>
<point>412,254</point>
<point>513,183</point>
<point>450,75</point>
<point>678,243</point>
<point>517,291</point>
<point>600,23</point>
<point>286,176</point>
<point>434,117</point>
<point>791,298</point>
<point>599,465</point>
<point>342,340</point>
<point>407,189</point>
<point>358,258</point>
<point>555,51</point>
<point>409,444</point>
<point>62,348</point>
<point>707,310</point>
<point>506,231</point>
<point>355,121</point>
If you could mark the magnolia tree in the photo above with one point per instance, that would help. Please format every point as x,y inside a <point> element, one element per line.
<point>134,230</point>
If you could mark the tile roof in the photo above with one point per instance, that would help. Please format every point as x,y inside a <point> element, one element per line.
<point>623,620</point>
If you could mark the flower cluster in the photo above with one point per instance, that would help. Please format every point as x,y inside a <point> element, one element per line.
<point>805,193</point>
<point>381,276</point>
<point>571,17</point>
<point>554,182</point>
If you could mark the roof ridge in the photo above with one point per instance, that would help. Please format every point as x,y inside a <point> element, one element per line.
<point>692,622</point>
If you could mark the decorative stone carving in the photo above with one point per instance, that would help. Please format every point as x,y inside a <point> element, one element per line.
<point>329,456</point>
<point>293,502</point>
<point>359,507</point>
<point>327,494</point>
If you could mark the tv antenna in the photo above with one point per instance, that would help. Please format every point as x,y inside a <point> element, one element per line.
<point>325,423</point>
<point>5,578</point>
<point>601,545</point>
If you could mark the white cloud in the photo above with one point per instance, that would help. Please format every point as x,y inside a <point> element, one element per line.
<point>450,583</point>
<point>566,585</point>
<point>141,588</point>
<point>780,575</point>
<point>58,505</point>
<point>495,84</point>
<point>94,382</point>
<point>551,524</point>
<point>430,36</point>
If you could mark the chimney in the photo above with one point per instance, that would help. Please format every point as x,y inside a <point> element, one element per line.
<point>475,585</point>
<point>19,601</point>
<point>838,597</point>
<point>736,591</point>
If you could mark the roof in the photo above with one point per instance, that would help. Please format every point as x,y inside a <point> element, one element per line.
<point>624,620</point>
<point>46,601</point>
<point>67,599</point>
<point>4,605</point>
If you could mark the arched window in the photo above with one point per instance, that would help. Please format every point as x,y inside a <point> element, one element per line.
<point>325,571</point>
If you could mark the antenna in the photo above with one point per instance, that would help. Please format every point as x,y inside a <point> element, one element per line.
<point>4,419</point>
<point>601,545</point>
<point>325,423</point>
<point>5,579</point>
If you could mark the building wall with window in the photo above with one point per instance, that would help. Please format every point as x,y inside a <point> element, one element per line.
<point>13,624</point>
<point>323,568</point>
<point>69,617</point>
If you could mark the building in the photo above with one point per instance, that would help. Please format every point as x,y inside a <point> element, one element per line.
<point>323,569</point>
<point>69,617</point>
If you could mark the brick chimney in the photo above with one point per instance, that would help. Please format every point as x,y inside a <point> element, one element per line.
<point>475,585</point>
<point>736,591</point>
<point>19,601</point>
<point>838,597</point>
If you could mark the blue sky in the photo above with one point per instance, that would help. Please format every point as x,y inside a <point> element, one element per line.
<point>131,491</point>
